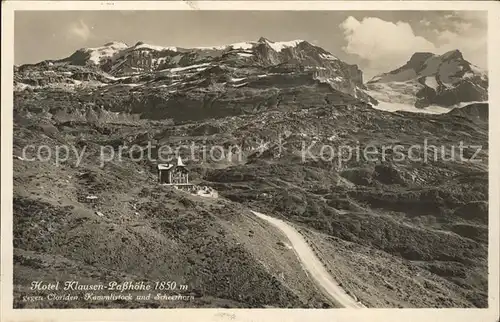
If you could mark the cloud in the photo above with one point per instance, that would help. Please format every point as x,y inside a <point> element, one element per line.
<point>384,45</point>
<point>478,17</point>
<point>425,22</point>
<point>79,30</point>
<point>466,31</point>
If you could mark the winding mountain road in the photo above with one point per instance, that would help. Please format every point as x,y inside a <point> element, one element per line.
<point>312,264</point>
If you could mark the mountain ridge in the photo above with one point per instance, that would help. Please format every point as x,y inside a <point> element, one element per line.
<point>425,80</point>
<point>429,79</point>
<point>262,71</point>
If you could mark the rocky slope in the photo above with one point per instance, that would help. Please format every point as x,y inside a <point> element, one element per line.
<point>429,79</point>
<point>396,232</point>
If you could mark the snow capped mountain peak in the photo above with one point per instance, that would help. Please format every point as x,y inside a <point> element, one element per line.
<point>96,54</point>
<point>111,51</point>
<point>423,64</point>
<point>428,79</point>
<point>115,49</point>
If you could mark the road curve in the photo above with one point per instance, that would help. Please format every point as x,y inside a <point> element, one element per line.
<point>312,264</point>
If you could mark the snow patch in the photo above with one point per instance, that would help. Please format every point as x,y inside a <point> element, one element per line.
<point>159,61</point>
<point>280,45</point>
<point>115,78</point>
<point>431,82</point>
<point>447,85</point>
<point>468,75</point>
<point>267,75</point>
<point>328,56</point>
<point>179,69</point>
<point>463,104</point>
<point>242,45</point>
<point>332,138</point>
<point>245,55</point>
<point>156,48</point>
<point>238,45</point>
<point>395,107</point>
<point>18,87</point>
<point>396,92</point>
<point>106,51</point>
<point>432,109</point>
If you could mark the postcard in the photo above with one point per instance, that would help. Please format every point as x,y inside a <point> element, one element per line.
<point>250,161</point>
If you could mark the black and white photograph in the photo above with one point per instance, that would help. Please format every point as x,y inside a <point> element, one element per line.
<point>323,159</point>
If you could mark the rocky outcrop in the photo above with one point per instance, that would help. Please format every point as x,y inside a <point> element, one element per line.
<point>477,112</point>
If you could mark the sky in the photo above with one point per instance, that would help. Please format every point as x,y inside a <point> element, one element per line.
<point>377,41</point>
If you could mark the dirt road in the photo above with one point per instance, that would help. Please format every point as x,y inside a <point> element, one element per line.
<point>312,264</point>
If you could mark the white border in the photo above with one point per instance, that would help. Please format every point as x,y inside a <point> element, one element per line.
<point>349,315</point>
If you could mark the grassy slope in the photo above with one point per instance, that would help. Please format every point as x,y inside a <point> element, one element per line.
<point>147,232</point>
<point>419,227</point>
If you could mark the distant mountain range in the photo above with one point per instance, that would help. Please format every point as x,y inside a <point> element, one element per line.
<point>429,79</point>
<point>272,71</point>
